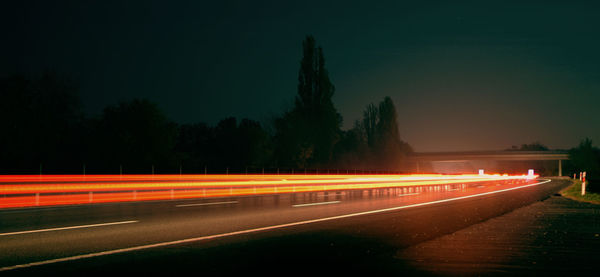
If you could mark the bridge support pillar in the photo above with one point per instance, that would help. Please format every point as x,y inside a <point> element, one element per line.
<point>559,168</point>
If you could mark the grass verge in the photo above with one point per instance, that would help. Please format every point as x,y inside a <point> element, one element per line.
<point>574,192</point>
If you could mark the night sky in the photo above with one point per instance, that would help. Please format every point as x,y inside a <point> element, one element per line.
<point>479,75</point>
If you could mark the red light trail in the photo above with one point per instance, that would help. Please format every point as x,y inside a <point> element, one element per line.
<point>49,190</point>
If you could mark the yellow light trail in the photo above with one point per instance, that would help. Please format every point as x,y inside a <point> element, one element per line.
<point>34,190</point>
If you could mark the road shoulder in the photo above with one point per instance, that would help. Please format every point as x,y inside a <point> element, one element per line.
<point>557,235</point>
<point>574,192</point>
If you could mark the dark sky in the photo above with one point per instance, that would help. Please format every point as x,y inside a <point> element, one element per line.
<point>464,76</point>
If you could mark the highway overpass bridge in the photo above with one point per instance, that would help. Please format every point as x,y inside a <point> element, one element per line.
<point>452,159</point>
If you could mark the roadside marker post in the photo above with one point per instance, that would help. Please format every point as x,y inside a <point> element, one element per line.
<point>582,177</point>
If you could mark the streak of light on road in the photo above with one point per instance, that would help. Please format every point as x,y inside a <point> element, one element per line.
<point>258,229</point>
<point>49,190</point>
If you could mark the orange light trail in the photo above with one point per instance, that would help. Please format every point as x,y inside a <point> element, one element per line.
<point>48,190</point>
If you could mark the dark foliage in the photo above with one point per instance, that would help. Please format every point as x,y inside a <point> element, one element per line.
<point>534,146</point>
<point>40,121</point>
<point>586,158</point>
<point>135,135</point>
<point>374,143</point>
<point>306,135</point>
<point>44,131</point>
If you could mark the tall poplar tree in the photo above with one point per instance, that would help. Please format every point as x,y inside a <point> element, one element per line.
<point>308,133</point>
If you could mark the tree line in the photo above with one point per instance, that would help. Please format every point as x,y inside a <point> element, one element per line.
<point>44,129</point>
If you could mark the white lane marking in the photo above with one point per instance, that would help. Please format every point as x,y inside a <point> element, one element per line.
<point>315,204</point>
<point>452,189</point>
<point>408,194</point>
<point>196,239</point>
<point>207,204</point>
<point>67,228</point>
<point>480,187</point>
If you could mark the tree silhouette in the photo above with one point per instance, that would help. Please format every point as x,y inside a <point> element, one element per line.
<point>307,134</point>
<point>369,123</point>
<point>42,124</point>
<point>586,157</point>
<point>254,143</point>
<point>352,151</point>
<point>534,146</point>
<point>40,119</point>
<point>378,133</point>
<point>136,135</point>
<point>374,142</point>
<point>194,144</point>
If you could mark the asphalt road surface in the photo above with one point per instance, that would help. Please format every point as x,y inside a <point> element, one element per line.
<point>349,231</point>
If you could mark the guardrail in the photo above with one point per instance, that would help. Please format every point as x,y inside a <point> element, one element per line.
<point>49,190</point>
